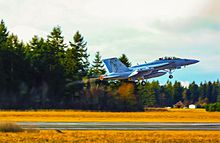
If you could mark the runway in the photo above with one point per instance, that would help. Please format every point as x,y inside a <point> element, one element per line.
<point>119,126</point>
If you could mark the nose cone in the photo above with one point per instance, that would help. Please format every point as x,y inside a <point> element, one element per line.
<point>189,62</point>
<point>194,61</point>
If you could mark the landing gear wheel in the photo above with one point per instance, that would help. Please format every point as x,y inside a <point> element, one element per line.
<point>137,83</point>
<point>143,83</point>
<point>170,76</point>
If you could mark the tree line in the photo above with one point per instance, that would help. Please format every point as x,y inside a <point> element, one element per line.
<point>47,73</point>
<point>213,107</point>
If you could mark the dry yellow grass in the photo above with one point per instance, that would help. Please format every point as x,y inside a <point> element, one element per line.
<point>9,127</point>
<point>112,137</point>
<point>172,115</point>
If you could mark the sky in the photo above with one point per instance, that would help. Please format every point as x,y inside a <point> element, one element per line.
<point>144,30</point>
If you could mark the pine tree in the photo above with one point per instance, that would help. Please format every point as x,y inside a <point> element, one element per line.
<point>147,94</point>
<point>3,40</point>
<point>125,60</point>
<point>218,91</point>
<point>194,92</point>
<point>56,48</point>
<point>71,63</point>
<point>55,51</point>
<point>156,91</point>
<point>97,66</point>
<point>169,92</point>
<point>80,54</point>
<point>178,92</point>
<point>3,34</point>
<point>209,89</point>
<point>56,39</point>
<point>39,58</point>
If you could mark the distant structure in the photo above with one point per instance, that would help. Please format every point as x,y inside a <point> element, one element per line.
<point>179,105</point>
<point>192,106</point>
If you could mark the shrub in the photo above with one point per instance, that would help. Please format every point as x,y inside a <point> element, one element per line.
<point>213,107</point>
<point>10,127</point>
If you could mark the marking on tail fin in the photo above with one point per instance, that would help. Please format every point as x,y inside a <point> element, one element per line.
<point>115,65</point>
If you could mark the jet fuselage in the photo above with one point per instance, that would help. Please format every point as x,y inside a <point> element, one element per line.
<point>118,71</point>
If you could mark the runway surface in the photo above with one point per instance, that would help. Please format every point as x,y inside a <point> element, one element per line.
<point>119,126</point>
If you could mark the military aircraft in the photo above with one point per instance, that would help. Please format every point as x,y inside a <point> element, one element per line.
<point>116,70</point>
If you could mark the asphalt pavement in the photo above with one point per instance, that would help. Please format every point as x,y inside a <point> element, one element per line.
<point>119,126</point>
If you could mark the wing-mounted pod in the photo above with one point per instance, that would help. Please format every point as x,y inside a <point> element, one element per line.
<point>154,74</point>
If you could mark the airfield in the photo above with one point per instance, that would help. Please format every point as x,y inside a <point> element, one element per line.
<point>168,126</point>
<point>162,119</point>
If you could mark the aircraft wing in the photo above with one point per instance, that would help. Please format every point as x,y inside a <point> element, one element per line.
<point>146,70</point>
<point>149,69</point>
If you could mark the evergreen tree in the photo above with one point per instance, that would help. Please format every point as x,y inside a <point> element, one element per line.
<point>148,94</point>
<point>210,92</point>
<point>72,64</point>
<point>13,61</point>
<point>3,34</point>
<point>155,86</point>
<point>218,95</point>
<point>80,52</point>
<point>194,92</point>
<point>178,92</point>
<point>76,67</point>
<point>125,60</point>
<point>169,94</point>
<point>56,48</point>
<point>97,66</point>
<point>218,91</point>
<point>162,97</point>
<point>214,92</point>
<point>3,40</point>
<point>201,94</point>
<point>38,55</point>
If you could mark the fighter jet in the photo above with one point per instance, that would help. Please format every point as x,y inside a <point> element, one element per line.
<point>116,70</point>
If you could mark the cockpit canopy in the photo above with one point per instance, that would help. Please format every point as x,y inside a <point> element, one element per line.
<point>169,58</point>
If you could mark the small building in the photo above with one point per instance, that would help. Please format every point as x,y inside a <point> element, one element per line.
<point>192,106</point>
<point>179,105</point>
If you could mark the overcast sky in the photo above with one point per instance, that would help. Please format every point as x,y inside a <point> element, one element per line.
<point>144,30</point>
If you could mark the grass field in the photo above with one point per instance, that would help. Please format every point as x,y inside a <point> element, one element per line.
<point>172,115</point>
<point>112,137</point>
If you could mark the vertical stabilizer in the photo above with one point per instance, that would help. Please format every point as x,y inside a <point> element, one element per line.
<point>114,65</point>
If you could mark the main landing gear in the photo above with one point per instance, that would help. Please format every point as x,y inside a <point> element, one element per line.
<point>170,72</point>
<point>143,82</point>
